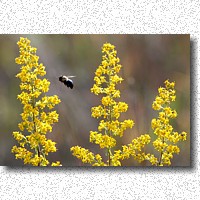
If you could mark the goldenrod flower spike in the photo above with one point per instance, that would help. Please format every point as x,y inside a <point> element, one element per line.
<point>106,78</point>
<point>34,146</point>
<point>167,138</point>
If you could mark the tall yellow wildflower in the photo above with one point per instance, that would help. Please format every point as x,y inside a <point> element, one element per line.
<point>37,116</point>
<point>167,138</point>
<point>106,78</point>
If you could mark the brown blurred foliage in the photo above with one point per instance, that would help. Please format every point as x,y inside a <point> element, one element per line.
<point>147,61</point>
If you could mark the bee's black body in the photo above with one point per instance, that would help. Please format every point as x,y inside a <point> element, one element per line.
<point>68,82</point>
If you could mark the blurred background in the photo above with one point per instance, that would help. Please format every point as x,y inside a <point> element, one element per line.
<point>147,61</point>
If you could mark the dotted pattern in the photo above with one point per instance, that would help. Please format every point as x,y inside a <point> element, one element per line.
<point>107,16</point>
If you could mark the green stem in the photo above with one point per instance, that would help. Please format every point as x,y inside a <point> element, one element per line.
<point>35,129</point>
<point>110,120</point>
<point>161,153</point>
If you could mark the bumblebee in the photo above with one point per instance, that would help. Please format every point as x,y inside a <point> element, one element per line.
<point>68,82</point>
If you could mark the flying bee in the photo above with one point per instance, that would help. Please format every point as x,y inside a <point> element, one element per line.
<point>68,82</point>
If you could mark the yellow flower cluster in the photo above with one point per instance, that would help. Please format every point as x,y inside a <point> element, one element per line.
<point>133,149</point>
<point>166,137</point>
<point>104,141</point>
<point>106,74</point>
<point>87,157</point>
<point>36,121</point>
<point>106,78</point>
<point>105,83</point>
